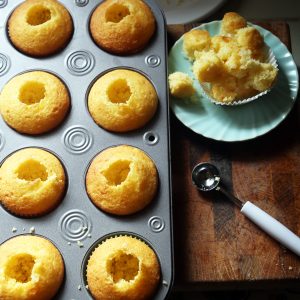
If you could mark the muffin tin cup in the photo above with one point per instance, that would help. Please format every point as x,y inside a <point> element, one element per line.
<point>75,225</point>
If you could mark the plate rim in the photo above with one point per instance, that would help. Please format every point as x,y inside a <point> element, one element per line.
<point>188,20</point>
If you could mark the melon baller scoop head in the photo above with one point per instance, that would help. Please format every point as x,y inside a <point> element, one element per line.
<point>206,177</point>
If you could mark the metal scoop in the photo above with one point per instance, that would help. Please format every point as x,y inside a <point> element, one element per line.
<point>206,177</point>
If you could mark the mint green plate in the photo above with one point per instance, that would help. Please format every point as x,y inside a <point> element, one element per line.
<point>242,122</point>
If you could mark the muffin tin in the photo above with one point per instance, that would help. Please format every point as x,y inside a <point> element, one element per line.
<point>76,226</point>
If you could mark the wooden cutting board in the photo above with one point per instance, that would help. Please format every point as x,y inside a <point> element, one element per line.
<point>214,243</point>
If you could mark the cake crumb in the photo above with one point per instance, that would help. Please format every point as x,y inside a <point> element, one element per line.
<point>181,85</point>
<point>32,230</point>
<point>80,244</point>
<point>290,268</point>
<point>69,243</point>
<point>84,228</point>
<point>165,283</point>
<point>89,235</point>
<point>79,287</point>
<point>14,229</point>
<point>87,287</point>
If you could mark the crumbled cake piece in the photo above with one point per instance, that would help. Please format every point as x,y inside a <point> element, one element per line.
<point>250,38</point>
<point>232,65</point>
<point>223,46</point>
<point>181,85</point>
<point>208,66</point>
<point>195,40</point>
<point>261,75</point>
<point>231,22</point>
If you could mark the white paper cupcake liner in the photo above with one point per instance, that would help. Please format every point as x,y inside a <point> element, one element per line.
<point>270,58</point>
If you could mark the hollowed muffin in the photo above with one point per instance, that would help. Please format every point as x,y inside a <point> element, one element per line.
<point>31,268</point>
<point>34,102</point>
<point>122,100</point>
<point>122,180</point>
<point>122,26</point>
<point>32,182</point>
<point>123,268</point>
<point>40,27</point>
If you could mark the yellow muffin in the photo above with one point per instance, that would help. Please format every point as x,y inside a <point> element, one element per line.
<point>195,40</point>
<point>34,102</point>
<point>123,268</point>
<point>31,268</point>
<point>122,26</point>
<point>122,100</point>
<point>32,182</point>
<point>181,85</point>
<point>40,27</point>
<point>122,180</point>
<point>231,22</point>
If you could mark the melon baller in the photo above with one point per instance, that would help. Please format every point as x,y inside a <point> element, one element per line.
<point>206,177</point>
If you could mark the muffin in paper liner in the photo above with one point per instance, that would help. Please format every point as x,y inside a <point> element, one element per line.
<point>126,247</point>
<point>270,59</point>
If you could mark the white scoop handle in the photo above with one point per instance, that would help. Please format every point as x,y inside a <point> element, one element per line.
<point>270,225</point>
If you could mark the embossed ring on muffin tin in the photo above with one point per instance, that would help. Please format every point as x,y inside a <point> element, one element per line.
<point>3,3</point>
<point>2,141</point>
<point>75,225</point>
<point>80,62</point>
<point>81,3</point>
<point>4,64</point>
<point>77,139</point>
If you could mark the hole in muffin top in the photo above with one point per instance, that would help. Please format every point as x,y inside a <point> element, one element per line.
<point>116,13</point>
<point>117,172</point>
<point>32,92</point>
<point>123,266</point>
<point>119,91</point>
<point>19,267</point>
<point>31,170</point>
<point>38,15</point>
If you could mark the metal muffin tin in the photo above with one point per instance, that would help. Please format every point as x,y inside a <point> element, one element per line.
<point>76,225</point>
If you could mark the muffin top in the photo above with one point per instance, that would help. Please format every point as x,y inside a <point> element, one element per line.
<point>31,268</point>
<point>122,26</point>
<point>122,100</point>
<point>32,182</point>
<point>40,27</point>
<point>34,102</point>
<point>122,180</point>
<point>123,267</point>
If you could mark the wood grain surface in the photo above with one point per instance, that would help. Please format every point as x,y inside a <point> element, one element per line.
<point>214,243</point>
